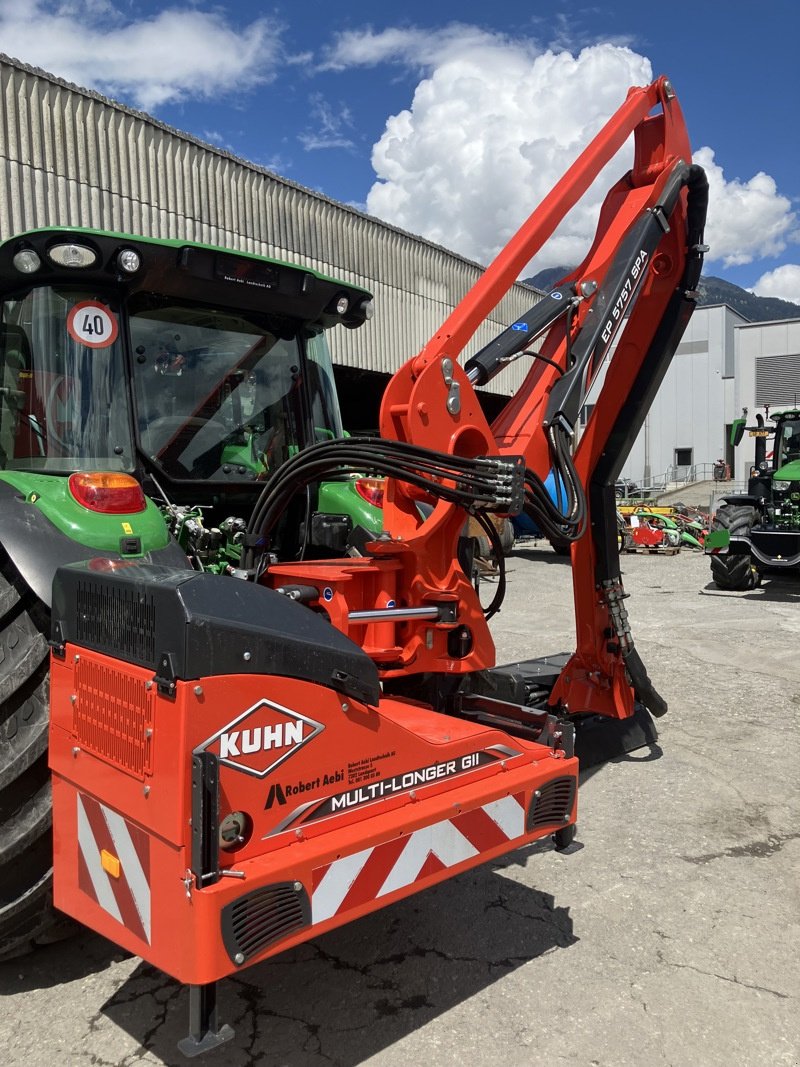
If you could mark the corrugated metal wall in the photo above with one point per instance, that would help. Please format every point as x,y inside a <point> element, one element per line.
<point>71,157</point>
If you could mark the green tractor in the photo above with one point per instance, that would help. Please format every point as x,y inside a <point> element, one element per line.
<point>760,530</point>
<point>147,389</point>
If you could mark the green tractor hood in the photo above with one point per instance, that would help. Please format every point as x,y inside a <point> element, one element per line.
<point>789,472</point>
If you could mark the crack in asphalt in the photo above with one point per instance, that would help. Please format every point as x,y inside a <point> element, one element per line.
<point>725,978</point>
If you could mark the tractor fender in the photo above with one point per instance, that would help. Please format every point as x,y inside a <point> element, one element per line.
<point>37,548</point>
<point>741,500</point>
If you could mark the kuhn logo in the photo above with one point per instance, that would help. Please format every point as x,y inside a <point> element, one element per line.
<point>261,738</point>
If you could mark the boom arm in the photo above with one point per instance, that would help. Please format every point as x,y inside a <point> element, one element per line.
<point>635,288</point>
<point>641,272</point>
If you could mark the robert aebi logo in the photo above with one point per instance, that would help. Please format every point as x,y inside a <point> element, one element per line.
<point>261,738</point>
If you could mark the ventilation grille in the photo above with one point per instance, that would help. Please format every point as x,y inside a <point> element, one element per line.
<point>113,716</point>
<point>778,380</point>
<point>119,621</point>
<point>263,917</point>
<point>552,805</point>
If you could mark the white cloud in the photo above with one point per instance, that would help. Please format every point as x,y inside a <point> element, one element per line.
<point>783,282</point>
<point>495,123</point>
<point>487,136</point>
<point>408,46</point>
<point>746,220</point>
<point>174,55</point>
<point>330,129</point>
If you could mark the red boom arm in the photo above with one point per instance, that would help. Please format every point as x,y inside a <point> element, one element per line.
<point>640,272</point>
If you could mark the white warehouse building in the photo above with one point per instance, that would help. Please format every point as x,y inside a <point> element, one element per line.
<point>722,365</point>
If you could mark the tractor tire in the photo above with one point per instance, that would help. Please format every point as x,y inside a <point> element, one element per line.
<point>735,573</point>
<point>26,912</point>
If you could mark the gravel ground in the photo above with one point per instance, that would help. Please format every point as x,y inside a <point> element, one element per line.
<point>670,937</point>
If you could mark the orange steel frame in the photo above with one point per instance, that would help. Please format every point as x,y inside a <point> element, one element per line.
<point>414,404</point>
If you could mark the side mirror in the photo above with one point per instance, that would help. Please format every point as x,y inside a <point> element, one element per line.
<point>737,431</point>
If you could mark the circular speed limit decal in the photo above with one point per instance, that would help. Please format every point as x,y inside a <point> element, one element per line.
<point>92,324</point>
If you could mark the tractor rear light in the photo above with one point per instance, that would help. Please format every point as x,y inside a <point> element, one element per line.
<point>107,492</point>
<point>342,304</point>
<point>72,255</point>
<point>371,490</point>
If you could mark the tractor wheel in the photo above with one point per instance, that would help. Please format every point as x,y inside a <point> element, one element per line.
<point>729,571</point>
<point>26,912</point>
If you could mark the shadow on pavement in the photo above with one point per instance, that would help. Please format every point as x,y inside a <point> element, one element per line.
<point>781,587</point>
<point>65,961</point>
<point>345,996</point>
<point>545,554</point>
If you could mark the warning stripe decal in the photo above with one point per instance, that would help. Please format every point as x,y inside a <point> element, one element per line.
<point>375,872</point>
<point>126,898</point>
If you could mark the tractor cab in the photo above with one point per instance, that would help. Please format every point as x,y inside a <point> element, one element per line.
<point>787,445</point>
<point>132,355</point>
<point>141,375</point>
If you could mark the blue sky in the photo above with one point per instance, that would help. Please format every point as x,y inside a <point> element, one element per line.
<point>453,120</point>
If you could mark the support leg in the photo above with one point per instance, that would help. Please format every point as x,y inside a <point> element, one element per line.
<point>203,1032</point>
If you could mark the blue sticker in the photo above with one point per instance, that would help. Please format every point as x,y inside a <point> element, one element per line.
<point>556,295</point>
<point>520,326</point>
<point>327,593</point>
<point>391,603</point>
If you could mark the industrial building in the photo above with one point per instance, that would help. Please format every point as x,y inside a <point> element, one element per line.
<point>723,365</point>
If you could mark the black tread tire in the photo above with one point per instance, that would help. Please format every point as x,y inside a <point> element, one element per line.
<point>507,537</point>
<point>734,573</point>
<point>27,916</point>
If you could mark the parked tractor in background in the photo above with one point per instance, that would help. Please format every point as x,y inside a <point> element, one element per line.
<point>760,530</point>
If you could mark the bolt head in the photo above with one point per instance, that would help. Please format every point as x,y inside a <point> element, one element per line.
<point>239,958</point>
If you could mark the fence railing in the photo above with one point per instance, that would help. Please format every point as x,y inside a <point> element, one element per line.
<point>677,475</point>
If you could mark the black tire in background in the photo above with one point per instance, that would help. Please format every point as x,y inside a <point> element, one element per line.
<point>26,911</point>
<point>729,571</point>
<point>507,537</point>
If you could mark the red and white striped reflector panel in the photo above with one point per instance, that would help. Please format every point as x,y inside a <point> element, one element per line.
<point>114,865</point>
<point>375,872</point>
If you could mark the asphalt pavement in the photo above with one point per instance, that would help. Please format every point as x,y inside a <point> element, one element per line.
<point>671,937</point>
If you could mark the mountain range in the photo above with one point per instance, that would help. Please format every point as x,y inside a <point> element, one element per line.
<point>712,291</point>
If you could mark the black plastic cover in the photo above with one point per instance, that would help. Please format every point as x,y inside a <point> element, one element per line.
<point>185,625</point>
